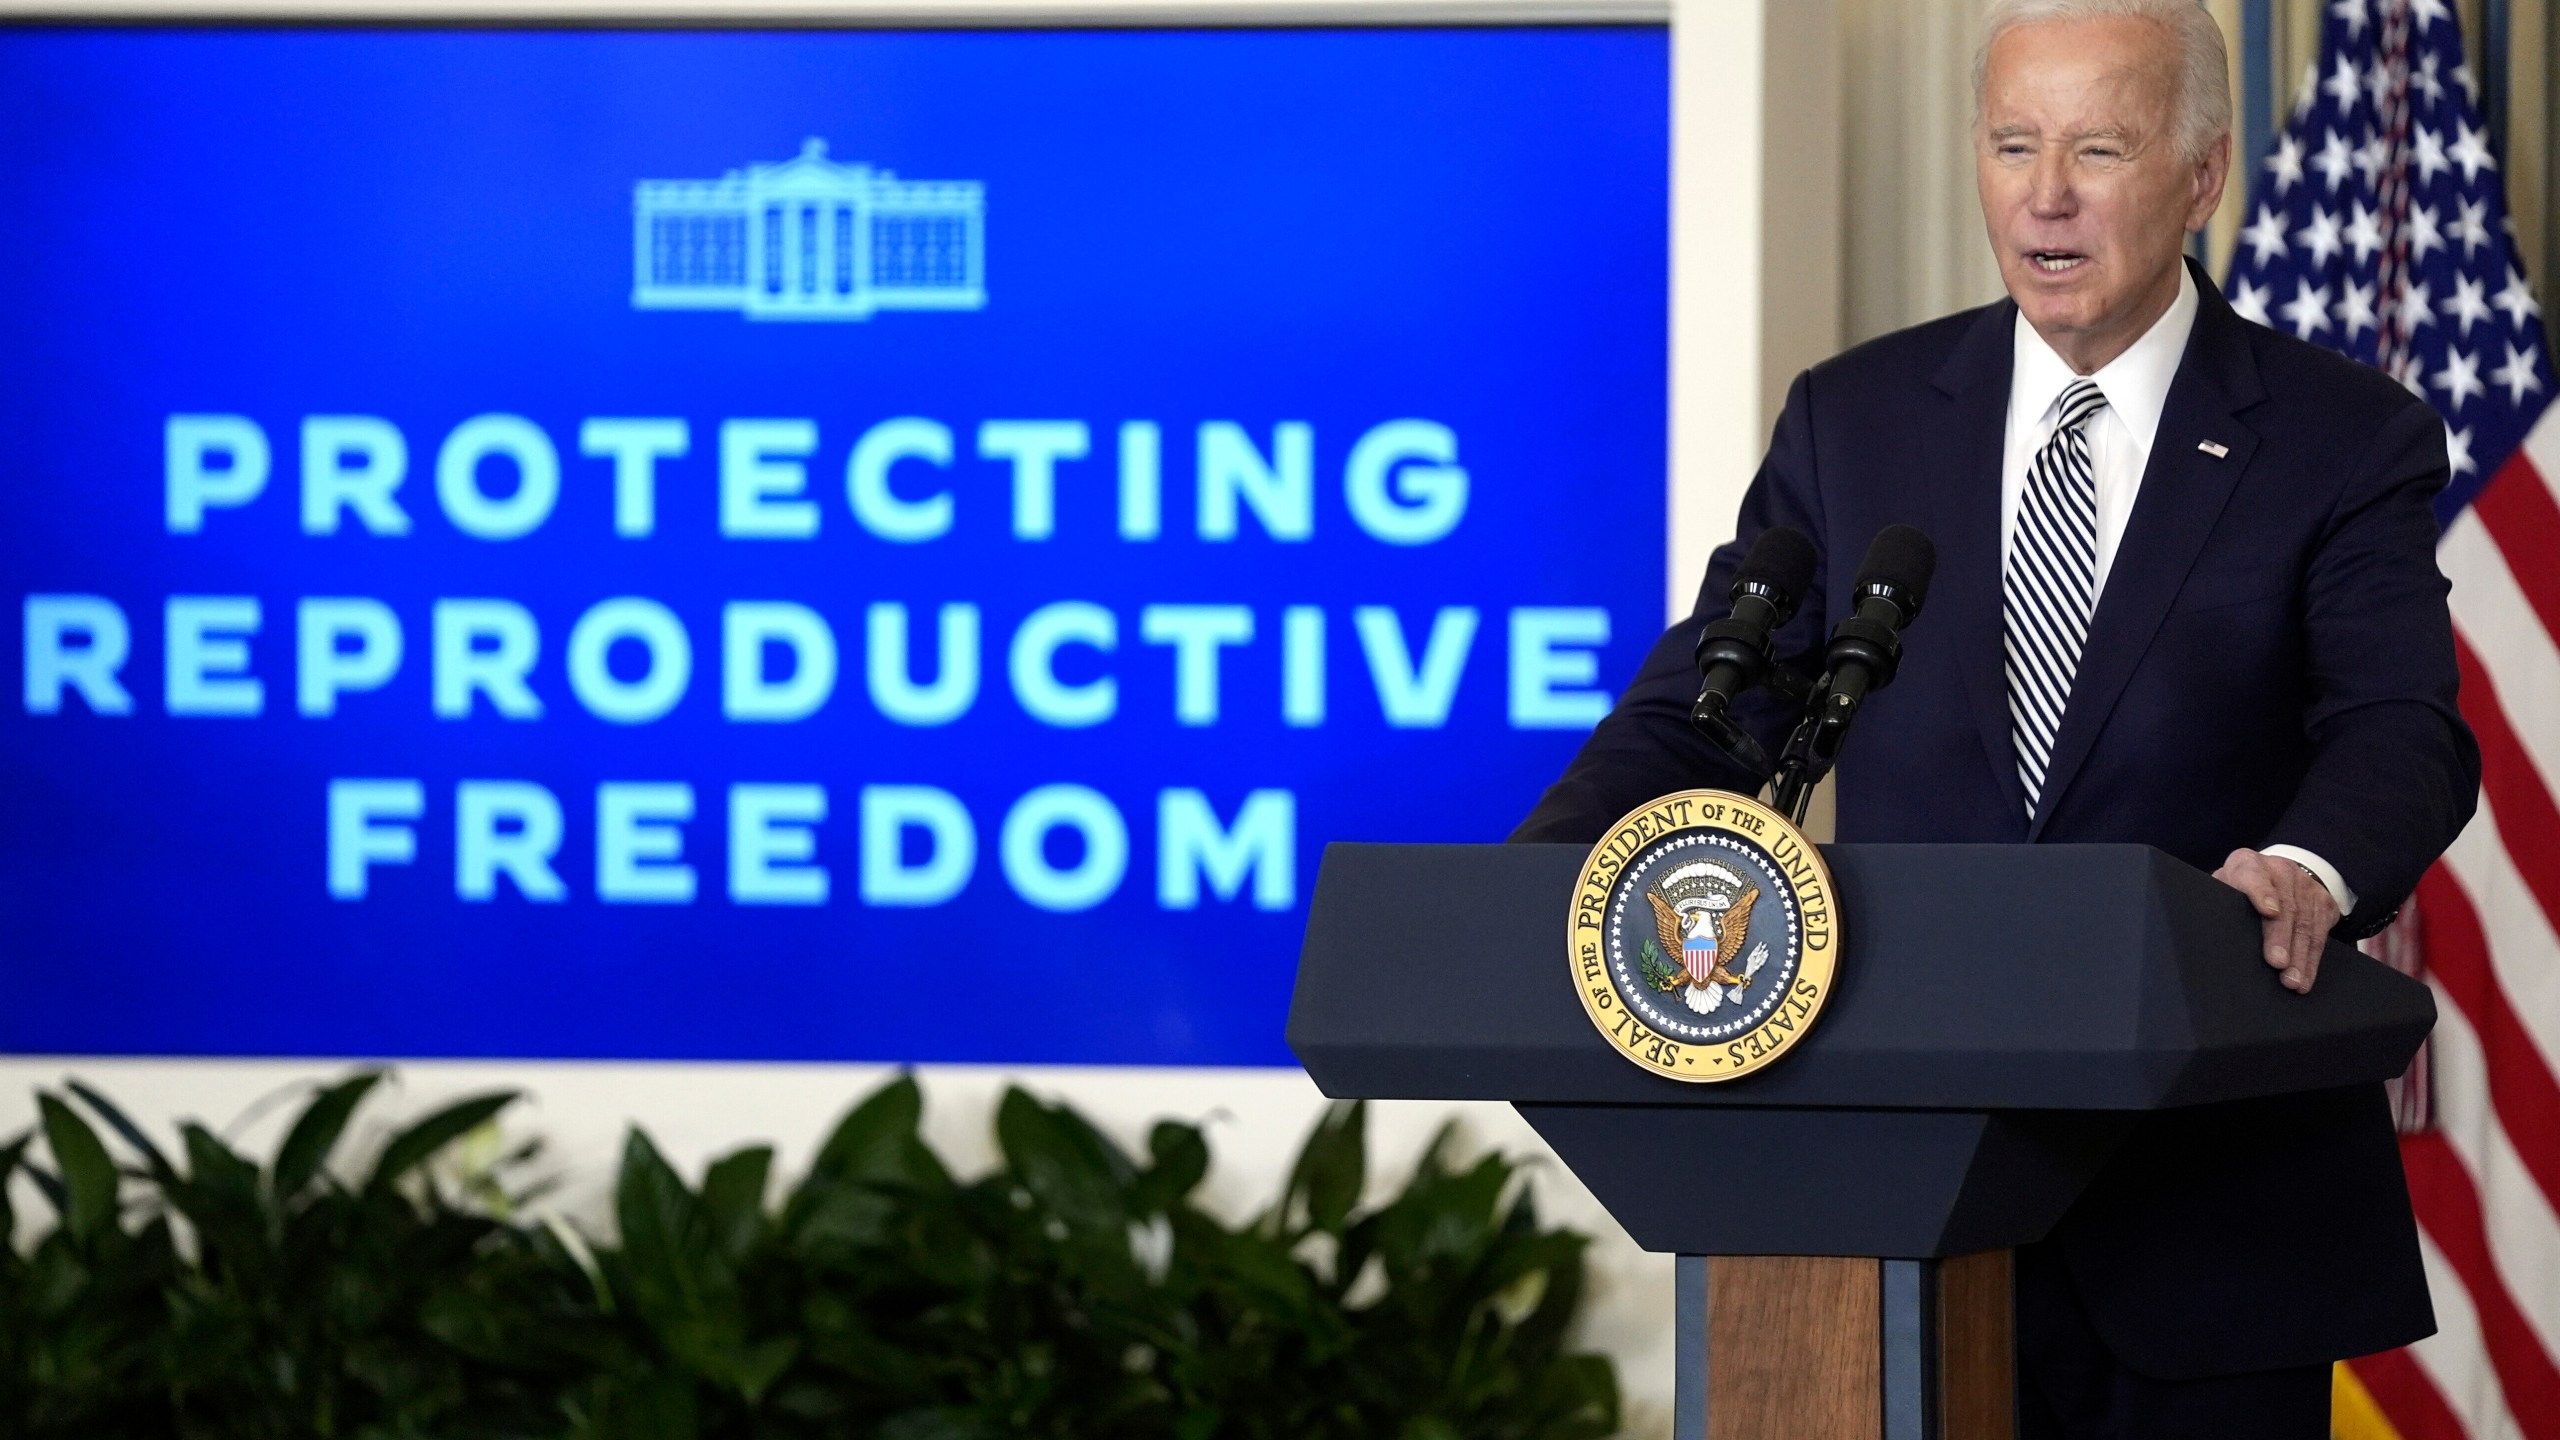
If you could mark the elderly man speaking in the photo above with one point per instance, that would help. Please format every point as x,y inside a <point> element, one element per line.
<point>2187,597</point>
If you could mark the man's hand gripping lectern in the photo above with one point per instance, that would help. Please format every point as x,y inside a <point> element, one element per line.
<point>2000,1015</point>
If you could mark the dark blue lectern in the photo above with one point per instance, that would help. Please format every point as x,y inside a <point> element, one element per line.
<point>2001,1014</point>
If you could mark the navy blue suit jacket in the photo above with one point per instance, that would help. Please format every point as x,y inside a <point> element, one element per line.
<point>2271,662</point>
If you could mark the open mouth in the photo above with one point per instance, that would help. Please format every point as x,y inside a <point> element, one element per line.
<point>2057,262</point>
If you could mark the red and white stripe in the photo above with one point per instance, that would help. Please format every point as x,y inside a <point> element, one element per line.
<point>2485,1177</point>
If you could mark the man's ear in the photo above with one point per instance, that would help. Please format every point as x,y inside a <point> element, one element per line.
<point>2212,171</point>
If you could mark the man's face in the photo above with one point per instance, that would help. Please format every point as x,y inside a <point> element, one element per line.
<point>2083,190</point>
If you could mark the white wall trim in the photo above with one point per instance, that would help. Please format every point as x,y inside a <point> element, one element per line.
<point>1755,248</point>
<point>1717,80</point>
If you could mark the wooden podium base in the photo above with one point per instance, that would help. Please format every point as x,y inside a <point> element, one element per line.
<point>1828,1348</point>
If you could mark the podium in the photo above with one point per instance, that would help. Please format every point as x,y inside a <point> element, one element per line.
<point>2001,1015</point>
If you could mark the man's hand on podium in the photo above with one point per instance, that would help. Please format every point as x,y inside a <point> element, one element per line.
<point>2295,908</point>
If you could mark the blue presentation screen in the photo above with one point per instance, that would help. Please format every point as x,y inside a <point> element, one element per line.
<point>871,546</point>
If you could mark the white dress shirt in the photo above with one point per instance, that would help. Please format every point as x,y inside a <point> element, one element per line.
<point>2136,384</point>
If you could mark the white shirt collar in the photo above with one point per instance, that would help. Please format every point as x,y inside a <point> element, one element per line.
<point>2136,383</point>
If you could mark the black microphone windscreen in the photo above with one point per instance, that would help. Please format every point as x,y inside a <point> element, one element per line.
<point>1783,560</point>
<point>1903,558</point>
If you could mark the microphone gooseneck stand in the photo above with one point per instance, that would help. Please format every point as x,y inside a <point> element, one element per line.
<point>1864,653</point>
<point>1811,751</point>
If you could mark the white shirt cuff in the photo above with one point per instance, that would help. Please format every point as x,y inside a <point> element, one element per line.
<point>2326,873</point>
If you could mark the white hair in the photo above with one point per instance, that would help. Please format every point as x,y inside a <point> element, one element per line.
<point>2202,106</point>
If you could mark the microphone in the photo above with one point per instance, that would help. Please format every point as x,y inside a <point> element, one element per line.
<point>1735,653</point>
<point>1866,648</point>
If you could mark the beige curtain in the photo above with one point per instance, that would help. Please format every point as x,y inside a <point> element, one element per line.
<point>1913,246</point>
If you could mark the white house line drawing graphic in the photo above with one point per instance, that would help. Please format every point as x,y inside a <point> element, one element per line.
<point>808,239</point>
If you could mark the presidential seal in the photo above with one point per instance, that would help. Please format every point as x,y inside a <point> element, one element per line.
<point>1703,936</point>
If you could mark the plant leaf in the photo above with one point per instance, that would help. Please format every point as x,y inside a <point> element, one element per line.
<point>880,1140</point>
<point>733,1199</point>
<point>49,1185</point>
<point>315,1133</point>
<point>685,1288</point>
<point>12,1155</point>
<point>225,1203</point>
<point>936,1423</point>
<point>212,1164</point>
<point>89,1180</point>
<point>118,1121</point>
<point>416,1145</point>
<point>654,1210</point>
<point>1333,1167</point>
<point>646,1406</point>
<point>1180,1161</point>
<point>759,1365</point>
<point>1581,1396</point>
<point>1540,1337</point>
<point>1064,1162</point>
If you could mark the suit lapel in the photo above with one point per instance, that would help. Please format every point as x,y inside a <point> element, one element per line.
<point>2183,493</point>
<point>1971,433</point>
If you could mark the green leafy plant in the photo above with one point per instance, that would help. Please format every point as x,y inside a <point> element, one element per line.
<point>1077,1290</point>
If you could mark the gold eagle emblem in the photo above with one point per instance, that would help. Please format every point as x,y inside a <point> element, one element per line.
<point>1743,946</point>
<point>1731,926</point>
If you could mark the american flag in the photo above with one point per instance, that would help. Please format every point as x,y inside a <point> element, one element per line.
<point>2378,226</point>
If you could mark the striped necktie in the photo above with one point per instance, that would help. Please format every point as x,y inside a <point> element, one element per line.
<point>2051,585</point>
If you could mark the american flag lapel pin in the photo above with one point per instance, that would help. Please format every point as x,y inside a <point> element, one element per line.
<point>2215,450</point>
